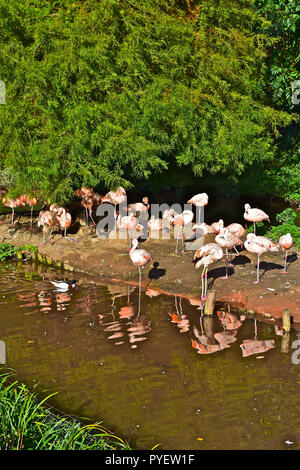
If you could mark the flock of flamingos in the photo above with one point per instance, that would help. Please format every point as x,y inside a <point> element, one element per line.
<point>226,237</point>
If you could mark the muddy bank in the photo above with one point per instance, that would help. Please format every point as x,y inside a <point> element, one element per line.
<point>169,272</point>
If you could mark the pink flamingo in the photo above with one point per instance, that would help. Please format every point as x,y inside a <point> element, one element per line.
<point>45,218</point>
<point>154,224</point>
<point>204,228</point>
<point>30,202</point>
<point>227,239</point>
<point>141,207</point>
<point>286,242</point>
<point>181,220</point>
<point>217,226</point>
<point>259,245</point>
<point>205,256</point>
<point>199,200</point>
<point>88,203</point>
<point>129,223</point>
<point>12,203</point>
<point>82,192</point>
<point>169,215</point>
<point>237,229</point>
<point>139,258</point>
<point>64,220</point>
<point>115,197</point>
<point>255,215</point>
<point>88,199</point>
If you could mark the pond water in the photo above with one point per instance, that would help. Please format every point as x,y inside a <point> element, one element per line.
<point>161,375</point>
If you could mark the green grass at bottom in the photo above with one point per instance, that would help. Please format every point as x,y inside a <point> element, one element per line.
<point>27,423</point>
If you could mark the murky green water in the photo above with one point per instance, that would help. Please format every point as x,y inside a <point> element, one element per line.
<point>149,377</point>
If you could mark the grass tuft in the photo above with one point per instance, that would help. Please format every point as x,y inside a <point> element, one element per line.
<point>26,423</point>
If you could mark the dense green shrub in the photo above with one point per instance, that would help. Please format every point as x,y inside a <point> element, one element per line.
<point>101,92</point>
<point>286,220</point>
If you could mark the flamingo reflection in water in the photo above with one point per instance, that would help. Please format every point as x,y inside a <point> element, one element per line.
<point>285,243</point>
<point>208,342</point>
<point>133,330</point>
<point>45,300</point>
<point>204,345</point>
<point>229,321</point>
<point>255,346</point>
<point>179,317</point>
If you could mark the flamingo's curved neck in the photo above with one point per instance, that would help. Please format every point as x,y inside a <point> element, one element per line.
<point>134,245</point>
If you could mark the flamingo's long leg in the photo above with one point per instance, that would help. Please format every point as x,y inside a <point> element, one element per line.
<point>226,258</point>
<point>202,290</point>
<point>31,216</point>
<point>205,280</point>
<point>12,215</point>
<point>285,263</point>
<point>177,237</point>
<point>182,243</point>
<point>68,238</point>
<point>236,251</point>
<point>140,286</point>
<point>257,272</point>
<point>92,217</point>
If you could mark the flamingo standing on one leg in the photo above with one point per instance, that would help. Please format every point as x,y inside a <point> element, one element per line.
<point>115,198</point>
<point>154,225</point>
<point>12,203</point>
<point>255,215</point>
<point>259,245</point>
<point>129,223</point>
<point>206,255</point>
<point>286,242</point>
<point>227,239</point>
<point>199,200</point>
<point>181,220</point>
<point>45,218</point>
<point>139,258</point>
<point>30,202</point>
<point>141,207</point>
<point>64,220</point>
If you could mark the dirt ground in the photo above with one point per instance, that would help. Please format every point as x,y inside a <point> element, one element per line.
<point>170,272</point>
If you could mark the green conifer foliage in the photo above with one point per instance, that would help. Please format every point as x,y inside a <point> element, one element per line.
<point>101,91</point>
